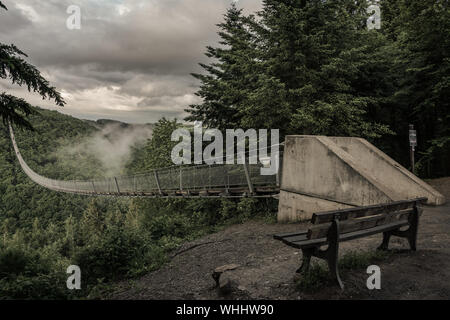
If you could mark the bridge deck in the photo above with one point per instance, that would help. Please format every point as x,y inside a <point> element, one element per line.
<point>235,180</point>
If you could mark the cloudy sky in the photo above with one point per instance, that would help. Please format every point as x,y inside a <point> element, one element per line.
<point>130,61</point>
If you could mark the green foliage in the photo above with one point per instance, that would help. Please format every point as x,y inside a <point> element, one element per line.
<point>229,79</point>
<point>13,261</point>
<point>110,256</point>
<point>318,276</point>
<point>20,72</point>
<point>21,201</point>
<point>39,287</point>
<point>312,67</point>
<point>157,152</point>
<point>109,239</point>
<point>92,222</point>
<point>318,50</point>
<point>24,274</point>
<point>13,108</point>
<point>359,260</point>
<point>298,68</point>
<point>423,93</point>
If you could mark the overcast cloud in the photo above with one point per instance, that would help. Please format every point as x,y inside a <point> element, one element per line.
<point>131,60</point>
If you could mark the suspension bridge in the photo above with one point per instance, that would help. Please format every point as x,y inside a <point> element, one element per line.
<point>220,180</point>
<point>317,173</point>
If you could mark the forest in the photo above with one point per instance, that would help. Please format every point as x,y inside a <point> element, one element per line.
<point>313,67</point>
<point>301,66</point>
<point>111,239</point>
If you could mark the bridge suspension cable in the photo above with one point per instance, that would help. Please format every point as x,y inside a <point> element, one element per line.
<point>218,180</point>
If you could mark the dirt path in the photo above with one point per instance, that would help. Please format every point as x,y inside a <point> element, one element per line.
<point>267,267</point>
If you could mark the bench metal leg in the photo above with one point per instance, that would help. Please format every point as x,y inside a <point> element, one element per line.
<point>385,245</point>
<point>307,253</point>
<point>412,243</point>
<point>330,255</point>
<point>333,253</point>
<point>413,228</point>
<point>410,233</point>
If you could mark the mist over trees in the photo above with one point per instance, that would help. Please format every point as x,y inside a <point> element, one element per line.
<point>42,232</point>
<point>313,67</point>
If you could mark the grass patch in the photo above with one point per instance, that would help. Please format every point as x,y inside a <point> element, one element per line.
<point>316,278</point>
<point>318,275</point>
<point>268,218</point>
<point>359,260</point>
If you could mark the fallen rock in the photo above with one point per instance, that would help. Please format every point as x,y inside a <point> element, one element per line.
<point>220,270</point>
<point>228,284</point>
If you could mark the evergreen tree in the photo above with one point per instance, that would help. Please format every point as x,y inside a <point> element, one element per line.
<point>157,153</point>
<point>92,222</point>
<point>319,50</point>
<point>302,67</point>
<point>425,87</point>
<point>228,79</point>
<point>14,67</point>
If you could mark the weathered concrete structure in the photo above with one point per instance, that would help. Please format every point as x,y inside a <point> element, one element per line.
<point>326,173</point>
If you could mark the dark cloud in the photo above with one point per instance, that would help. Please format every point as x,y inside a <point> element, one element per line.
<point>15,20</point>
<point>130,60</point>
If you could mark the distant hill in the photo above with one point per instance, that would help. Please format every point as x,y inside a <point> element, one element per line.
<point>61,147</point>
<point>101,123</point>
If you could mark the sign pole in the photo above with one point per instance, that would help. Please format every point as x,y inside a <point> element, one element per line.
<point>412,144</point>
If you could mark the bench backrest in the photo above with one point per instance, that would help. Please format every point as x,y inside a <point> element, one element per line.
<point>361,218</point>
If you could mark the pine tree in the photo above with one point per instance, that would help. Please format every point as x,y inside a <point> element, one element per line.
<point>228,79</point>
<point>92,222</point>
<point>299,68</point>
<point>318,50</point>
<point>14,67</point>
<point>424,90</point>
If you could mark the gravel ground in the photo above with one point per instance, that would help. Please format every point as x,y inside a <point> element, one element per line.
<point>267,267</point>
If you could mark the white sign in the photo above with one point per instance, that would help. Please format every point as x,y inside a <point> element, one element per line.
<point>412,138</point>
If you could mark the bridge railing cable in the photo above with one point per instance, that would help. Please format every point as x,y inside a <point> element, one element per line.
<point>223,179</point>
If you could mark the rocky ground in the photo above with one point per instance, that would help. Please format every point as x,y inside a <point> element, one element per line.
<point>265,268</point>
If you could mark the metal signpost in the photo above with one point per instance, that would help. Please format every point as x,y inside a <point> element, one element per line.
<point>412,144</point>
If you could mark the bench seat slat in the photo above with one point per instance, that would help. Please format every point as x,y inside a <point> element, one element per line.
<point>350,213</point>
<point>348,236</point>
<point>372,231</point>
<point>319,231</point>
<point>301,237</point>
<point>290,234</point>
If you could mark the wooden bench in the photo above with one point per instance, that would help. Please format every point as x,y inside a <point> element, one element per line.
<point>331,227</point>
